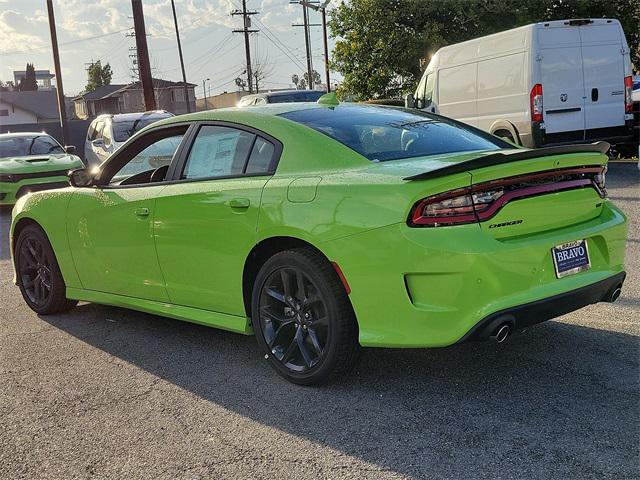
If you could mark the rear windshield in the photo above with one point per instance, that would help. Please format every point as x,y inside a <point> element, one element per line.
<point>301,96</point>
<point>23,146</point>
<point>122,130</point>
<point>383,134</point>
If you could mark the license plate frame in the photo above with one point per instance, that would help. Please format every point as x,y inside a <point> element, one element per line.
<point>570,258</point>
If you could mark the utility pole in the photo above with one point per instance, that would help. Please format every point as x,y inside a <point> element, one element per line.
<point>204,92</point>
<point>62,110</point>
<point>184,76</point>
<point>322,8</point>
<point>143,56</point>
<point>307,35</point>
<point>307,44</point>
<point>246,29</point>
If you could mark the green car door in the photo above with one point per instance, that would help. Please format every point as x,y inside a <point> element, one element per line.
<point>205,222</point>
<point>110,226</point>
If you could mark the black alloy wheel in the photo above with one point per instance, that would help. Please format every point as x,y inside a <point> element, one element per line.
<point>38,273</point>
<point>302,317</point>
<point>294,319</point>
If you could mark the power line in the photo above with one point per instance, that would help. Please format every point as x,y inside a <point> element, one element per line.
<point>26,50</point>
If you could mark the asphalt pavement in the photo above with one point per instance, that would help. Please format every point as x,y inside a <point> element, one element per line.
<point>104,392</point>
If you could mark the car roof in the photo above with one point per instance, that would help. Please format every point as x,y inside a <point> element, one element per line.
<point>124,117</point>
<point>22,134</point>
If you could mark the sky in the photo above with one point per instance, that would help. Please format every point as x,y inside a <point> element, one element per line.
<point>97,30</point>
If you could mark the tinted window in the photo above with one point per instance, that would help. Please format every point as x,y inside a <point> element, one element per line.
<point>261,157</point>
<point>218,152</point>
<point>24,146</point>
<point>156,155</point>
<point>123,129</point>
<point>382,134</point>
<point>301,96</point>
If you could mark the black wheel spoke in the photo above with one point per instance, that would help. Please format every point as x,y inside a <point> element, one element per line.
<point>34,270</point>
<point>302,295</point>
<point>293,346</point>
<point>286,283</point>
<point>302,346</point>
<point>315,341</point>
<point>275,294</point>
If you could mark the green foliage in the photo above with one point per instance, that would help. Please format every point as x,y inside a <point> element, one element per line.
<point>28,82</point>
<point>383,45</point>
<point>98,76</point>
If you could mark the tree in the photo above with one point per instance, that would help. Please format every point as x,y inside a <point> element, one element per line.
<point>302,82</point>
<point>98,76</point>
<point>241,83</point>
<point>260,70</point>
<point>28,83</point>
<point>381,42</point>
<point>6,86</point>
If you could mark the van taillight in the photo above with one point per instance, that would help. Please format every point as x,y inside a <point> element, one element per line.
<point>536,103</point>
<point>628,103</point>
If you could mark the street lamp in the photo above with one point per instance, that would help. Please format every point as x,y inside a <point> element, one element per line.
<point>204,91</point>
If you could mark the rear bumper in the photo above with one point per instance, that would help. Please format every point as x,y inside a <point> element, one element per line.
<point>528,314</point>
<point>613,135</point>
<point>416,288</point>
<point>11,191</point>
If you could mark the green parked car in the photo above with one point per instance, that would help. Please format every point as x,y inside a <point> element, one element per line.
<point>32,162</point>
<point>324,227</point>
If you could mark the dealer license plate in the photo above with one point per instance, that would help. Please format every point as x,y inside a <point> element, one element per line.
<point>570,258</point>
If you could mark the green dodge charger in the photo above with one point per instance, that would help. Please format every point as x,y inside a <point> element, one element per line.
<point>33,161</point>
<point>324,227</point>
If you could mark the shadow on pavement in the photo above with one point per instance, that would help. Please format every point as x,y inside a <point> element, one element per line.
<point>556,398</point>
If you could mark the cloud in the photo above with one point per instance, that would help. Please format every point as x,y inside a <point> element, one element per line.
<point>18,32</point>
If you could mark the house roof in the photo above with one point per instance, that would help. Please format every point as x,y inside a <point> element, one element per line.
<point>160,83</point>
<point>43,104</point>
<point>100,92</point>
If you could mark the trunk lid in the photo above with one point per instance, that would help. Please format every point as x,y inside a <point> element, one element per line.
<point>545,208</point>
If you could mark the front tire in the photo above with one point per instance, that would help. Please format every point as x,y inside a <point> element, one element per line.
<point>302,318</point>
<point>38,274</point>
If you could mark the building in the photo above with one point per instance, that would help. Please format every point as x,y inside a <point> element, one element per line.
<point>130,98</point>
<point>105,99</point>
<point>43,78</point>
<point>32,107</point>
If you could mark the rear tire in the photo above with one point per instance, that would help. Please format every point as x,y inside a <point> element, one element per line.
<point>38,274</point>
<point>302,318</point>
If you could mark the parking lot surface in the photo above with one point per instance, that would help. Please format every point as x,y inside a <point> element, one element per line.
<point>103,392</point>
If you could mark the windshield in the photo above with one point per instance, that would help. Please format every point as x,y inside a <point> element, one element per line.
<point>23,146</point>
<point>123,129</point>
<point>383,134</point>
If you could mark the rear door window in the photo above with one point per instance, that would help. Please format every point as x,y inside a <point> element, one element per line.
<point>218,152</point>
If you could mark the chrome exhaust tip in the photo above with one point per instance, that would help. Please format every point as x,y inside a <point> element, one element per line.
<point>501,334</point>
<point>615,294</point>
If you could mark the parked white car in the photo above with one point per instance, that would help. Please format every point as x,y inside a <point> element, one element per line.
<point>563,81</point>
<point>108,132</point>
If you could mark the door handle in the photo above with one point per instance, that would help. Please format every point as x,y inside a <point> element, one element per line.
<point>141,212</point>
<point>239,203</point>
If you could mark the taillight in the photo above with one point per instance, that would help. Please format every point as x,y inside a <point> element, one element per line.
<point>536,103</point>
<point>628,87</point>
<point>482,201</point>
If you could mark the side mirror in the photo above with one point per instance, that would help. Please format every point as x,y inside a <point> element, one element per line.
<point>409,101</point>
<point>70,149</point>
<point>80,178</point>
<point>98,142</point>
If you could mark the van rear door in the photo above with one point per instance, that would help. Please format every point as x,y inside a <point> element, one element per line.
<point>603,64</point>
<point>562,80</point>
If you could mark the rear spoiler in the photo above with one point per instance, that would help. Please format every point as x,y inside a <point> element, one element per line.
<point>498,158</point>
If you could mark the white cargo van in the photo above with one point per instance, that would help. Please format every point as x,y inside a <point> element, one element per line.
<point>563,81</point>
